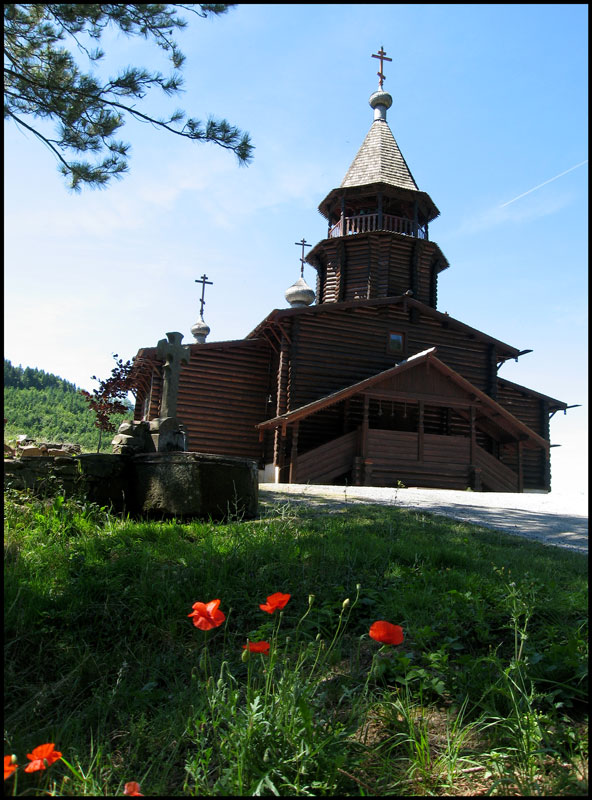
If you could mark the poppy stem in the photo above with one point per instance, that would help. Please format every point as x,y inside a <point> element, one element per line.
<point>311,599</point>
<point>349,606</point>
<point>273,654</point>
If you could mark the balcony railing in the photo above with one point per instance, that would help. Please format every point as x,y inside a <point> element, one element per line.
<point>365,223</point>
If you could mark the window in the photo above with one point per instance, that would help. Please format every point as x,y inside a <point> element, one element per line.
<point>396,343</point>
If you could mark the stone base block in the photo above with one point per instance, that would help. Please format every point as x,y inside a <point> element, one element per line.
<point>154,485</point>
<point>189,485</point>
<point>105,479</point>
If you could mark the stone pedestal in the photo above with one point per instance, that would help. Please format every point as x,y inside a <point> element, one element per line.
<point>189,485</point>
<point>133,437</point>
<point>168,435</point>
<point>149,485</point>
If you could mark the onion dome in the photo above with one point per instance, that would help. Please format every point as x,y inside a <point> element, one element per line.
<point>200,330</point>
<point>300,294</point>
<point>380,101</point>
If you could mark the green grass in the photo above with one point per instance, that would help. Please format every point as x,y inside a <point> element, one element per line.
<point>487,693</point>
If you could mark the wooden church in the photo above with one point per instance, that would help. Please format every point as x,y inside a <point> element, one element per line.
<point>364,381</point>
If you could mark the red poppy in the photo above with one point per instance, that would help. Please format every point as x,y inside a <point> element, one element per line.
<point>206,615</point>
<point>257,647</point>
<point>42,756</point>
<point>274,602</point>
<point>10,766</point>
<point>385,633</point>
<point>132,788</point>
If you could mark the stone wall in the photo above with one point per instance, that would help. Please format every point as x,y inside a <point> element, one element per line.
<point>153,485</point>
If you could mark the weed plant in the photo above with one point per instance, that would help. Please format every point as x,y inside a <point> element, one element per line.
<point>487,693</point>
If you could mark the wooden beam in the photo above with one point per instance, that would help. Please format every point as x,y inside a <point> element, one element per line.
<point>279,341</point>
<point>414,397</point>
<point>364,434</point>
<point>345,411</point>
<point>270,341</point>
<point>293,452</point>
<point>283,330</point>
<point>420,432</point>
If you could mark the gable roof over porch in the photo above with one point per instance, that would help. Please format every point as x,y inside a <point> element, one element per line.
<point>422,377</point>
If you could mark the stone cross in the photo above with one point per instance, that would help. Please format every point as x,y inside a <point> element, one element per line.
<point>382,56</point>
<point>173,353</point>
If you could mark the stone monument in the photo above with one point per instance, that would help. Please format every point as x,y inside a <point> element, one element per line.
<point>167,432</point>
<point>164,478</point>
<point>150,472</point>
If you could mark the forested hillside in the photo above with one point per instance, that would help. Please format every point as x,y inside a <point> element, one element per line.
<point>49,408</point>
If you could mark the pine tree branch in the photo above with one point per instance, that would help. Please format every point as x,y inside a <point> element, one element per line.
<point>42,79</point>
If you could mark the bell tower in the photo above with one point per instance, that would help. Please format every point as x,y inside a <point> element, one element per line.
<point>377,241</point>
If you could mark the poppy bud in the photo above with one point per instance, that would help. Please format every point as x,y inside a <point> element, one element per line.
<point>345,604</point>
<point>245,656</point>
<point>311,598</point>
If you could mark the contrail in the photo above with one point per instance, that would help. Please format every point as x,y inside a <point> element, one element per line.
<point>581,164</point>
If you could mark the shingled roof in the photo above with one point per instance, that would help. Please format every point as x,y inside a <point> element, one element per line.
<point>379,160</point>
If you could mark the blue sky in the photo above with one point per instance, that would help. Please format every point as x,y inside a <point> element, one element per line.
<point>489,110</point>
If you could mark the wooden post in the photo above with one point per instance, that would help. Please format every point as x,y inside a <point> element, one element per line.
<point>415,221</point>
<point>520,475</point>
<point>472,450</point>
<point>420,432</point>
<point>364,433</point>
<point>544,431</point>
<point>358,468</point>
<point>281,403</point>
<point>343,216</point>
<point>357,471</point>
<point>294,451</point>
<point>379,211</point>
<point>345,410</point>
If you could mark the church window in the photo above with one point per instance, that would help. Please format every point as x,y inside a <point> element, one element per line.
<point>396,342</point>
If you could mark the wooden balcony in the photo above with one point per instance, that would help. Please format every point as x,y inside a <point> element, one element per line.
<point>365,223</point>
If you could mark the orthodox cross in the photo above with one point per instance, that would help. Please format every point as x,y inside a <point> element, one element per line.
<point>203,280</point>
<point>172,353</point>
<point>382,56</point>
<point>304,244</point>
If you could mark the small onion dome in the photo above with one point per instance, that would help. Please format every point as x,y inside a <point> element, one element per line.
<point>380,101</point>
<point>300,294</point>
<point>200,330</point>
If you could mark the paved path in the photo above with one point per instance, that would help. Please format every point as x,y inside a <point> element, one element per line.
<point>554,519</point>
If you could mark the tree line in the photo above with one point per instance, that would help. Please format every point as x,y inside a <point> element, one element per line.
<point>48,408</point>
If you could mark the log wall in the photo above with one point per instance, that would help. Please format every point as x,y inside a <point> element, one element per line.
<point>341,347</point>
<point>445,462</point>
<point>224,392</point>
<point>377,264</point>
<point>527,408</point>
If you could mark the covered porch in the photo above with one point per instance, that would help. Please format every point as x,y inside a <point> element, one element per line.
<point>416,424</point>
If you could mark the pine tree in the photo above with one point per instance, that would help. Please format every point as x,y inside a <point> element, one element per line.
<point>42,81</point>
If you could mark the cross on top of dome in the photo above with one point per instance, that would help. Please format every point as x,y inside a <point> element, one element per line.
<point>382,56</point>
